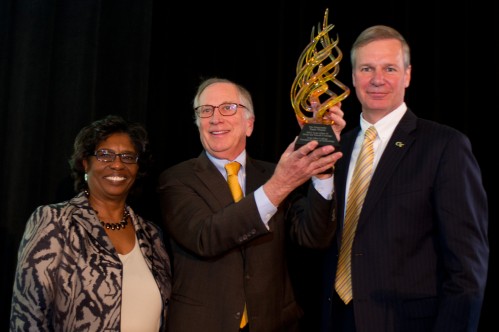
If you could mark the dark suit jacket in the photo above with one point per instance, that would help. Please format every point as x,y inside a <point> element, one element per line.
<point>420,253</point>
<point>224,256</point>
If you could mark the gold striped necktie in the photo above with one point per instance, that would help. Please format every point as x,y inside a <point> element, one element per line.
<point>358,187</point>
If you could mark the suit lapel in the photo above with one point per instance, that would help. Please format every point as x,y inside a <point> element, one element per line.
<point>398,145</point>
<point>213,180</point>
<point>341,171</point>
<point>255,175</point>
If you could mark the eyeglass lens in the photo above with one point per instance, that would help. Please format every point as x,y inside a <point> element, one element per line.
<point>109,156</point>
<point>226,109</point>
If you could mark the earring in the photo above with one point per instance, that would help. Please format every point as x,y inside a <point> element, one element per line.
<point>86,177</point>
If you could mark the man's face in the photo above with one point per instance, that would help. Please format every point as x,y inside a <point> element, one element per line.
<point>379,77</point>
<point>224,137</point>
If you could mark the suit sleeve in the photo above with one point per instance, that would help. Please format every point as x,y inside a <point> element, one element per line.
<point>313,219</point>
<point>204,221</point>
<point>462,213</point>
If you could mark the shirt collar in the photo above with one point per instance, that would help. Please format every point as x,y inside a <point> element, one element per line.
<point>387,124</point>
<point>220,163</point>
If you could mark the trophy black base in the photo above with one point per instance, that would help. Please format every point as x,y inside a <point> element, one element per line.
<point>317,132</point>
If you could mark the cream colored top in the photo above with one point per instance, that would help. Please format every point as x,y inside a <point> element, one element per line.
<point>141,300</point>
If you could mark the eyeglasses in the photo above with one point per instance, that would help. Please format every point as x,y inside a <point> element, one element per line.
<point>226,109</point>
<point>109,156</point>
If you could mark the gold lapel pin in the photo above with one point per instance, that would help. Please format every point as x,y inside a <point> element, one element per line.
<point>399,144</point>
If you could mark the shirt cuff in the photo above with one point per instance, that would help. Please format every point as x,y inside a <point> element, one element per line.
<point>325,187</point>
<point>265,207</point>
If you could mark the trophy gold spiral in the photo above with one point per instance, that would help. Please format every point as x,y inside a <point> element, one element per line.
<point>311,93</point>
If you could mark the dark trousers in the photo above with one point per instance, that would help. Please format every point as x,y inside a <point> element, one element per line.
<point>342,315</point>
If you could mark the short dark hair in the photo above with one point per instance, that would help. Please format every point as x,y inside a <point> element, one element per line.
<point>90,136</point>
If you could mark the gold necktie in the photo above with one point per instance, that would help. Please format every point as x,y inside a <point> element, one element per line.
<point>358,188</point>
<point>232,169</point>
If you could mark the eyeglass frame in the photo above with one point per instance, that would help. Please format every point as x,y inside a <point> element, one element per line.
<point>114,155</point>
<point>196,110</point>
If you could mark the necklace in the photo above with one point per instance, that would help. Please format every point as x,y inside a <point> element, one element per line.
<point>116,226</point>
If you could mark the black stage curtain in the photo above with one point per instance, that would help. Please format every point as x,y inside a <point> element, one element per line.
<point>64,64</point>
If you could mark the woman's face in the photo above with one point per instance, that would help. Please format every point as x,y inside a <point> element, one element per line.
<point>112,180</point>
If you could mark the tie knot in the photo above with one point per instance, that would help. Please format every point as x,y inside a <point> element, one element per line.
<point>232,168</point>
<point>371,133</point>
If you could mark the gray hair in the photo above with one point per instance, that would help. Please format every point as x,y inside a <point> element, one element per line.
<point>244,95</point>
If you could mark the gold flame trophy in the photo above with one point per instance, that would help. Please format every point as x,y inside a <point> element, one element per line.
<point>311,92</point>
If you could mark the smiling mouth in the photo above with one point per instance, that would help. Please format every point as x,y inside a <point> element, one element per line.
<point>115,178</point>
<point>219,132</point>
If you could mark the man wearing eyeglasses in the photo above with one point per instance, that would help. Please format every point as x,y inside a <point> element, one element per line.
<point>230,270</point>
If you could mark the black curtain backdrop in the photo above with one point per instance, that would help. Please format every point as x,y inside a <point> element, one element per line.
<point>64,64</point>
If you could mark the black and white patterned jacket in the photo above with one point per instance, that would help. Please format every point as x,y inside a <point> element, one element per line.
<point>69,276</point>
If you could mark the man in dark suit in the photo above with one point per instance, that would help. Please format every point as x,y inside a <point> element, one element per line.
<point>230,258</point>
<point>420,253</point>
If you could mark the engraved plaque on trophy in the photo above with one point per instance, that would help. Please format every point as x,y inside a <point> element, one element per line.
<point>312,92</point>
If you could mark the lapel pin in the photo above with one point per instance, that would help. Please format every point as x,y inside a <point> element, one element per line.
<point>399,144</point>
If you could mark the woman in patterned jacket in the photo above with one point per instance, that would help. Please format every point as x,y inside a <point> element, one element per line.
<point>91,263</point>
